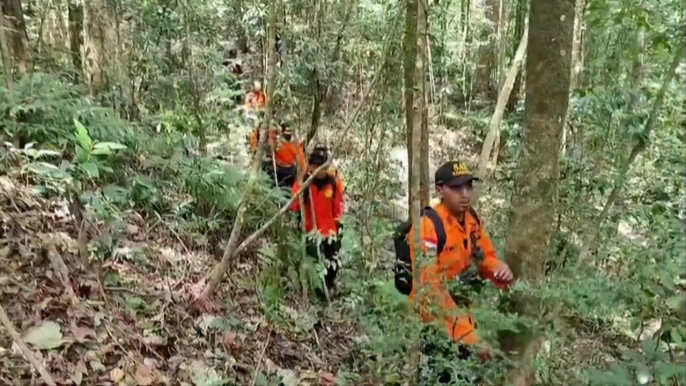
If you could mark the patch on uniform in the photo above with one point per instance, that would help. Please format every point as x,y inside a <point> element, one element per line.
<point>429,244</point>
<point>328,193</point>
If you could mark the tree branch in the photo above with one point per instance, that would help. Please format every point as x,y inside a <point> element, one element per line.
<point>47,378</point>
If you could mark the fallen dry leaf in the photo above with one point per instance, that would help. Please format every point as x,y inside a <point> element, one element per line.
<point>229,339</point>
<point>116,374</point>
<point>80,333</point>
<point>143,375</point>
<point>326,378</point>
<point>78,372</point>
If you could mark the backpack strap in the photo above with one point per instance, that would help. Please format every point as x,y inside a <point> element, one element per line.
<point>438,226</point>
<point>476,216</point>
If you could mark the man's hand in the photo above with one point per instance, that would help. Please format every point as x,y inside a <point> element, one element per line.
<point>503,273</point>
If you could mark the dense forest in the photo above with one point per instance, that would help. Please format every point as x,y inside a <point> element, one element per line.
<point>147,236</point>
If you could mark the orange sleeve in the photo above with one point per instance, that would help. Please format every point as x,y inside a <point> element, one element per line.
<point>491,262</point>
<point>339,201</point>
<point>296,203</point>
<point>303,161</point>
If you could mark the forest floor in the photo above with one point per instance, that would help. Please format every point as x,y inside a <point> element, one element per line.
<point>132,321</point>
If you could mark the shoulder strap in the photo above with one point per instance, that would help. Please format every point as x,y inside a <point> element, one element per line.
<point>476,216</point>
<point>438,226</point>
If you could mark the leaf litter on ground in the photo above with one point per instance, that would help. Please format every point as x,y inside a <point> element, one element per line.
<point>130,320</point>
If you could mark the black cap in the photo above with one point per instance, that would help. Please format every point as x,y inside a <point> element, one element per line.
<point>454,174</point>
<point>319,155</point>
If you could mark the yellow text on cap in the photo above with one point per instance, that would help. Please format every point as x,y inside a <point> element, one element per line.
<point>459,169</point>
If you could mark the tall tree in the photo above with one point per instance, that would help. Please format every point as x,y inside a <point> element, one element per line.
<point>75,15</point>
<point>519,22</point>
<point>487,55</point>
<point>534,199</point>
<point>98,23</point>
<point>409,59</point>
<point>421,92</point>
<point>17,37</point>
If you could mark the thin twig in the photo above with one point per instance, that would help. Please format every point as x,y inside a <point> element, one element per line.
<point>259,359</point>
<point>47,378</point>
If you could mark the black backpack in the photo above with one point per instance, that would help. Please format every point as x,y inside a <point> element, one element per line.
<point>403,261</point>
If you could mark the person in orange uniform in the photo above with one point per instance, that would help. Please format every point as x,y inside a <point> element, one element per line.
<point>255,100</point>
<point>324,204</point>
<point>287,156</point>
<point>255,140</point>
<point>464,234</point>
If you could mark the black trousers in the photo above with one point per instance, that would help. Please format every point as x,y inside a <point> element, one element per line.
<point>328,250</point>
<point>285,176</point>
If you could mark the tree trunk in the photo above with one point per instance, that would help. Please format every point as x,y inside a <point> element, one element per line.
<point>497,117</point>
<point>486,59</point>
<point>75,32</point>
<point>218,272</point>
<point>535,193</point>
<point>409,62</point>
<point>416,139</point>
<point>419,109</point>
<point>420,75</point>
<point>316,107</point>
<point>17,38</point>
<point>576,62</point>
<point>6,59</point>
<point>97,23</point>
<point>591,236</point>
<point>520,17</point>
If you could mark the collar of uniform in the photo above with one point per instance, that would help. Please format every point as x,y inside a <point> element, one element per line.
<point>445,213</point>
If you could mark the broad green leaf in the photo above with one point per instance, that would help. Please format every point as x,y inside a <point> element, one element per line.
<point>82,155</point>
<point>100,150</point>
<point>110,146</point>
<point>91,169</point>
<point>204,376</point>
<point>135,303</point>
<point>676,302</point>
<point>82,136</point>
<point>288,377</point>
<point>44,336</point>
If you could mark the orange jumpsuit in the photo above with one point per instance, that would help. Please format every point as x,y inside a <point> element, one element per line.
<point>255,138</point>
<point>327,205</point>
<point>455,259</point>
<point>287,154</point>
<point>255,100</point>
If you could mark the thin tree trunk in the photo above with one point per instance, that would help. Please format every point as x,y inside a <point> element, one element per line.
<point>75,10</point>
<point>97,20</point>
<point>535,193</point>
<point>486,59</point>
<point>576,63</point>
<point>520,21</point>
<point>419,100</point>
<point>409,63</point>
<point>418,108</point>
<point>497,117</point>
<point>316,108</point>
<point>422,50</point>
<point>6,59</point>
<point>17,39</point>
<point>591,236</point>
